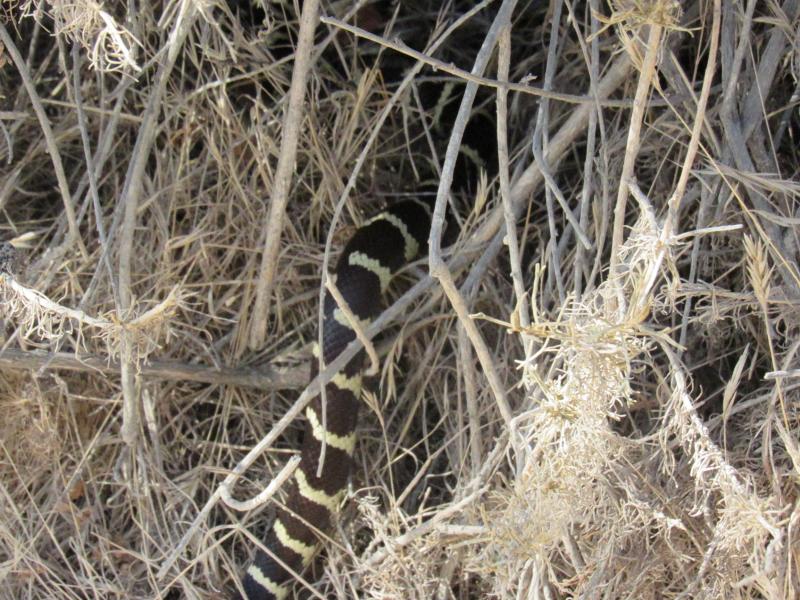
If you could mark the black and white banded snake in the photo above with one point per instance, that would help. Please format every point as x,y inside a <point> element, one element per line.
<point>372,256</point>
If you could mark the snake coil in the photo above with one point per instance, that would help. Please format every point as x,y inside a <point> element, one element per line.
<point>371,257</point>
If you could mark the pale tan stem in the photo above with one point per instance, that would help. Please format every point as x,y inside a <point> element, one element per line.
<point>633,143</point>
<point>283,173</point>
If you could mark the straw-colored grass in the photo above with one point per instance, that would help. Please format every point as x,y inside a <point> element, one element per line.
<point>593,396</point>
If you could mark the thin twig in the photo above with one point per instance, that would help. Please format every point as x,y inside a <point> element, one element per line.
<point>50,141</point>
<point>90,170</point>
<point>436,264</point>
<point>699,119</point>
<point>503,63</point>
<point>589,176</point>
<point>471,395</point>
<point>260,498</point>
<point>538,145</point>
<point>273,225</point>
<point>633,142</point>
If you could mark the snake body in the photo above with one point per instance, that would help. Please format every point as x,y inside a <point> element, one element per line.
<point>369,260</point>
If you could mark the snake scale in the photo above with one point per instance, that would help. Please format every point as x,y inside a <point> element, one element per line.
<point>369,260</point>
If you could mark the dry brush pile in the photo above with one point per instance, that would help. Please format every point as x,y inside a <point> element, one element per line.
<point>594,395</point>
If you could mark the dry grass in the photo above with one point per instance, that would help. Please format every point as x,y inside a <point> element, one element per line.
<point>617,419</point>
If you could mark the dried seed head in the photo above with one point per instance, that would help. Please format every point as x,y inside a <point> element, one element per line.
<point>634,13</point>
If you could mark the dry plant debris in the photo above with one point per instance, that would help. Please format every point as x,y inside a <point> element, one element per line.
<point>597,395</point>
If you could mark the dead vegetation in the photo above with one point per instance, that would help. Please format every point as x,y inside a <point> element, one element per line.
<point>598,402</point>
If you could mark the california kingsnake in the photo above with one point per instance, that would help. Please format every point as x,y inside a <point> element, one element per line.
<point>363,273</point>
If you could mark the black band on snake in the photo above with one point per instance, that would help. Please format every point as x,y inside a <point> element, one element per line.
<point>372,256</point>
